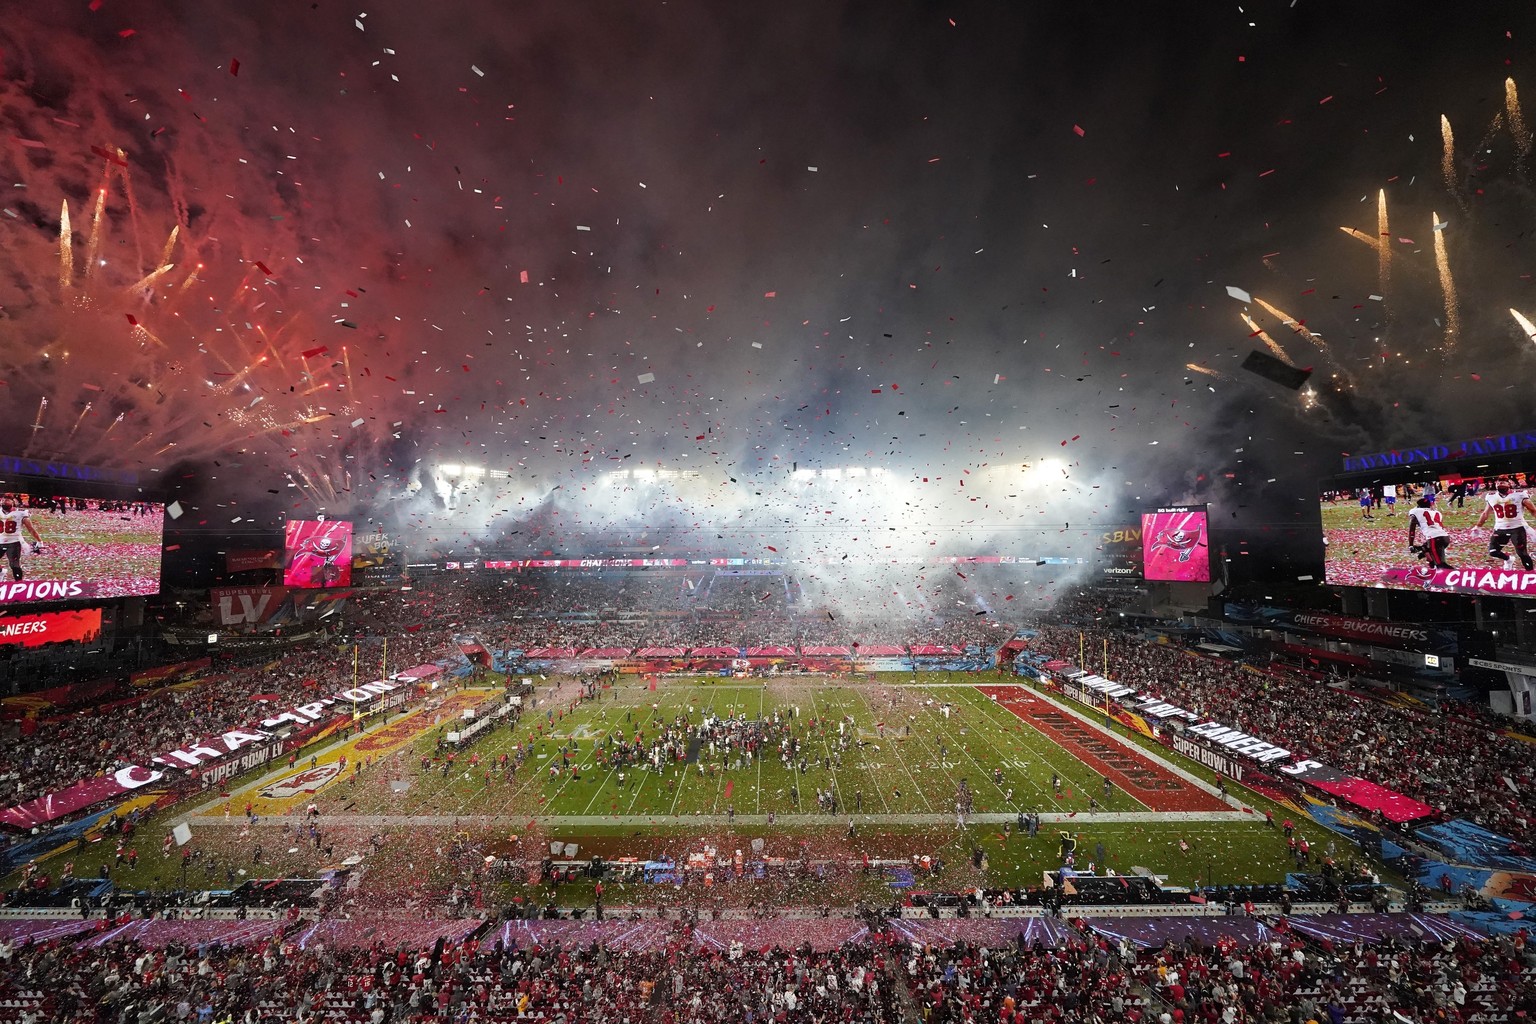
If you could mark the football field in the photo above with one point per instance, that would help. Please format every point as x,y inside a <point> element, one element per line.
<point>892,749</point>
<point>886,749</point>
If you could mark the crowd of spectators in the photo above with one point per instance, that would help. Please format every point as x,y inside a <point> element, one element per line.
<point>1286,980</point>
<point>58,748</point>
<point>351,974</point>
<point>674,980</point>
<point>1455,757</point>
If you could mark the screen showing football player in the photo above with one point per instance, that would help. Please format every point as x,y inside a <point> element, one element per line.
<point>1427,536</point>
<point>1507,506</point>
<point>14,520</point>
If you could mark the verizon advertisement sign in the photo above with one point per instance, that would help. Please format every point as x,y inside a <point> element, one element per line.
<point>246,606</point>
<point>249,742</point>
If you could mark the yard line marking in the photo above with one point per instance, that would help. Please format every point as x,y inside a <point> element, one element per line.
<point>896,752</point>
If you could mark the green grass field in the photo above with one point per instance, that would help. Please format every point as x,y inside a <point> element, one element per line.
<point>899,788</point>
<point>915,767</point>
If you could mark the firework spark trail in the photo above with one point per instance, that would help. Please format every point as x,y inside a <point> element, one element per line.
<point>1447,285</point>
<point>1517,126</point>
<point>1374,243</point>
<point>1197,368</point>
<point>1525,325</point>
<point>93,244</point>
<point>80,419</point>
<point>148,280</point>
<point>1294,324</point>
<point>1494,127</point>
<point>1448,162</point>
<point>37,425</point>
<point>170,246</point>
<point>1383,251</point>
<point>1263,335</point>
<point>66,251</point>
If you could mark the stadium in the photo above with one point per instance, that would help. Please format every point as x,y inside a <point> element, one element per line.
<point>826,513</point>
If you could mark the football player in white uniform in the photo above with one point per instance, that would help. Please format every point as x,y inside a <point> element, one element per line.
<point>14,520</point>
<point>1507,506</point>
<point>1427,535</point>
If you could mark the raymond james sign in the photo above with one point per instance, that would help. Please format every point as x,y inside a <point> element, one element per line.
<point>1493,444</point>
<point>65,471</point>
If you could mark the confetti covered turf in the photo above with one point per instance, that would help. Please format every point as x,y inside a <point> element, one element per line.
<point>908,789</point>
<point>894,773</point>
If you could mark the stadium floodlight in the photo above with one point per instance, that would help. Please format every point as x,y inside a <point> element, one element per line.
<point>645,474</point>
<point>449,469</point>
<point>877,471</point>
<point>474,471</point>
<point>855,471</point>
<point>832,474</point>
<point>804,474</point>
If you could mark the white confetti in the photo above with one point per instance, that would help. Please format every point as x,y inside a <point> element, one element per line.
<point>477,71</point>
<point>1239,294</point>
<point>646,378</point>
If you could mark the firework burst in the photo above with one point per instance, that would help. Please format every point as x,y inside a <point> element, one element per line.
<point>141,363</point>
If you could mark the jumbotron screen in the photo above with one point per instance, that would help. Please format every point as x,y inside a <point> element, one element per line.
<point>57,548</point>
<point>80,625</point>
<point>1448,529</point>
<point>317,553</point>
<point>1175,544</point>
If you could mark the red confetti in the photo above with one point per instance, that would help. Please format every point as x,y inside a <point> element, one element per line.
<point>234,66</point>
<point>310,353</point>
<point>109,156</point>
<point>1079,130</point>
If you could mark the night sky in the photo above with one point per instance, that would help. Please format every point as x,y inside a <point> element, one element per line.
<point>975,245</point>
